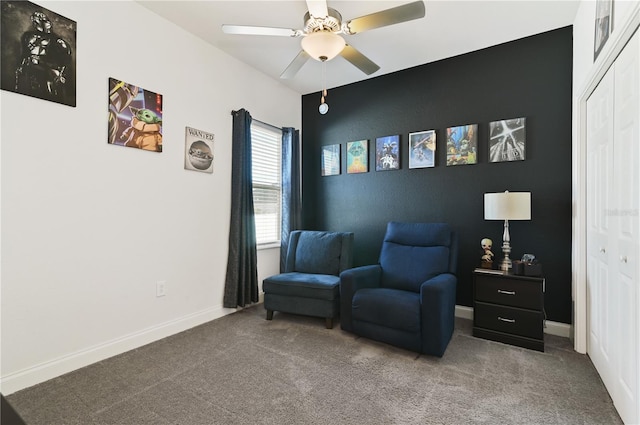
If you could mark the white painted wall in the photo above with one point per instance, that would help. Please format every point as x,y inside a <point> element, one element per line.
<point>88,228</point>
<point>585,75</point>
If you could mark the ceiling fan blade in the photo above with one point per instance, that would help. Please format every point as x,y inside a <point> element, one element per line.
<point>251,30</point>
<point>295,65</point>
<point>395,15</point>
<point>362,62</point>
<point>317,8</point>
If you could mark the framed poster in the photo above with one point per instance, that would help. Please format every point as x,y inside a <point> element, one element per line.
<point>38,52</point>
<point>462,145</point>
<point>422,149</point>
<point>358,157</point>
<point>198,150</point>
<point>330,160</point>
<point>388,153</point>
<point>603,25</point>
<point>135,116</point>
<point>507,140</point>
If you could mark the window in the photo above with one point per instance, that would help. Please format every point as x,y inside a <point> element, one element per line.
<point>266,157</point>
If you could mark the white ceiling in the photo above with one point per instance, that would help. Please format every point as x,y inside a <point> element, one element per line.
<point>450,28</point>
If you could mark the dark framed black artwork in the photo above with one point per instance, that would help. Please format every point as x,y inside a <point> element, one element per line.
<point>603,25</point>
<point>422,149</point>
<point>38,52</point>
<point>358,156</point>
<point>507,140</point>
<point>388,153</point>
<point>462,144</point>
<point>330,160</point>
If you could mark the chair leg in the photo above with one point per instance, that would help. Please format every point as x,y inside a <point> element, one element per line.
<point>269,314</point>
<point>329,322</point>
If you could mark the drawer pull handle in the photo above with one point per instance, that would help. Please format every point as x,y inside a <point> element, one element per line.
<point>500,291</point>
<point>603,250</point>
<point>502,319</point>
<point>624,259</point>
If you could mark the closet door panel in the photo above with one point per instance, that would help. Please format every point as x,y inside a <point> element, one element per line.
<point>600,302</point>
<point>625,232</point>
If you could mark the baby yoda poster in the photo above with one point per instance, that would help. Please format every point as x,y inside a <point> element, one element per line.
<point>135,116</point>
<point>198,150</point>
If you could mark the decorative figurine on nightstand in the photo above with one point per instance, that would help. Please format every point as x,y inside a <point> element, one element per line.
<point>487,255</point>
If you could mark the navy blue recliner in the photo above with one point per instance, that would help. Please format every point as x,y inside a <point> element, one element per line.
<point>409,298</point>
<point>310,284</point>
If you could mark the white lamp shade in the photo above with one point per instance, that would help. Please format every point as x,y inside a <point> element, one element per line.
<point>507,206</point>
<point>323,45</point>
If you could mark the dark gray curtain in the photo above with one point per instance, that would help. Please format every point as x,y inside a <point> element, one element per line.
<point>241,284</point>
<point>291,194</point>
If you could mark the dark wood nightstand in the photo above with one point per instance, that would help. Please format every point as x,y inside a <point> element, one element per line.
<point>509,308</point>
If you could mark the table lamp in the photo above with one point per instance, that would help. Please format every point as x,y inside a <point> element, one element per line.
<point>507,206</point>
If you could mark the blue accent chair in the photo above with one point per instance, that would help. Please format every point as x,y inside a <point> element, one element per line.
<point>310,284</point>
<point>409,298</point>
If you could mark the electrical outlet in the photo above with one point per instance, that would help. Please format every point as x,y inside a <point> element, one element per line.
<point>161,288</point>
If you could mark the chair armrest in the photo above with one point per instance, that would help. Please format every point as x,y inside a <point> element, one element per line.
<point>438,303</point>
<point>351,281</point>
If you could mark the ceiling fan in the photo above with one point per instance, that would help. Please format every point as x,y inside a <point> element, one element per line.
<point>321,39</point>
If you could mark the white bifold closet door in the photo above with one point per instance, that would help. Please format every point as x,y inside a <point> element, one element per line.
<point>613,232</point>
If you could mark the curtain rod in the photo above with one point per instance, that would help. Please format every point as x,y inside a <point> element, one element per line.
<point>261,122</point>
<point>267,124</point>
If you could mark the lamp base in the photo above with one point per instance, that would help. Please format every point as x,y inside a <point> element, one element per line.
<point>506,264</point>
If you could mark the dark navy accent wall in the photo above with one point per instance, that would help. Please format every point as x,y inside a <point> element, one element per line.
<point>528,78</point>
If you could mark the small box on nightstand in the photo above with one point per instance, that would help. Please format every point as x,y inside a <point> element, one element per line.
<point>523,268</point>
<point>518,267</point>
<point>532,269</point>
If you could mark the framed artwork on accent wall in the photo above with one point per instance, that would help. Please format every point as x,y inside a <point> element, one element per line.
<point>38,52</point>
<point>603,25</point>
<point>198,150</point>
<point>358,157</point>
<point>135,116</point>
<point>422,149</point>
<point>462,145</point>
<point>388,153</point>
<point>330,160</point>
<point>507,140</point>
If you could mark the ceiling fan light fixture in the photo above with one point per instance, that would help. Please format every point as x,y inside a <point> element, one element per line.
<point>323,45</point>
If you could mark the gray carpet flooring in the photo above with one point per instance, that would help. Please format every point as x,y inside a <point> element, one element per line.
<point>242,369</point>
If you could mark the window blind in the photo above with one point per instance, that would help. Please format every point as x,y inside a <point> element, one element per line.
<point>266,145</point>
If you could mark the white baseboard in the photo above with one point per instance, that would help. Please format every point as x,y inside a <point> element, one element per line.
<point>464,312</point>
<point>42,372</point>
<point>551,328</point>
<point>557,329</point>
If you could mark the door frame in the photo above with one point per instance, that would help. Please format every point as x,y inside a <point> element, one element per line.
<point>615,45</point>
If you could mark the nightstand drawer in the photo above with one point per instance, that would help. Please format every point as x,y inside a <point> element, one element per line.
<point>516,292</point>
<point>510,320</point>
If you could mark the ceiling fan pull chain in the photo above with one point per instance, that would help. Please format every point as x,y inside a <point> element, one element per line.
<point>323,108</point>
<point>324,79</point>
